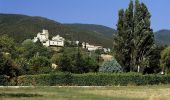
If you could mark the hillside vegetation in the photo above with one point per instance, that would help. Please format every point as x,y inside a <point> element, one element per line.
<point>163,37</point>
<point>21,27</point>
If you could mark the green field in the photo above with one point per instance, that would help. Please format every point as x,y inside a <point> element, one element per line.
<point>161,92</point>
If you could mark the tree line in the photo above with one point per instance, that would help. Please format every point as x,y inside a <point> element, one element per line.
<point>134,50</point>
<point>134,45</point>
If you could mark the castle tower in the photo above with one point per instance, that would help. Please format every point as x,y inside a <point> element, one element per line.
<point>45,32</point>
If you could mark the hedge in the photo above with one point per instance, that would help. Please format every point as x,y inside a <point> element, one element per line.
<point>3,80</point>
<point>92,79</point>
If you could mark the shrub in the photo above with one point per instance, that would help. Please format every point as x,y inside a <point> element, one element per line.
<point>40,64</point>
<point>165,59</point>
<point>110,66</point>
<point>76,62</point>
<point>3,80</point>
<point>93,79</point>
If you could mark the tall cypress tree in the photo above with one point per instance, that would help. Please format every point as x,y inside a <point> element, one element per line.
<point>119,40</point>
<point>134,37</point>
<point>144,37</point>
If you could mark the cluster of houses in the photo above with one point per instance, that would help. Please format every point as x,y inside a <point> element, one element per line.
<point>58,41</point>
<point>44,39</point>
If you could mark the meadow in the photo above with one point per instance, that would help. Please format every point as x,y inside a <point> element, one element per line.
<point>155,92</point>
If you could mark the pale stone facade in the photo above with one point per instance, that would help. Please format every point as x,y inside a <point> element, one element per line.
<point>90,47</point>
<point>59,41</point>
<point>44,38</point>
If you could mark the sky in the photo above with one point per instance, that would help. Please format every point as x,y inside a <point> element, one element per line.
<point>102,12</point>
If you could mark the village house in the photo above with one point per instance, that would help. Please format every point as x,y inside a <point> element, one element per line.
<point>58,41</point>
<point>44,39</point>
<point>90,47</point>
<point>106,50</point>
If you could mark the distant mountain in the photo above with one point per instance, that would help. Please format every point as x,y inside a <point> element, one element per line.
<point>22,27</point>
<point>98,29</point>
<point>103,33</point>
<point>163,37</point>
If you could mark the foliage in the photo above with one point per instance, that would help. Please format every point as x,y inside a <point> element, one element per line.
<point>22,27</point>
<point>165,60</point>
<point>93,79</point>
<point>55,58</point>
<point>40,65</point>
<point>75,61</point>
<point>7,45</point>
<point>110,66</point>
<point>99,51</point>
<point>3,80</point>
<point>23,65</point>
<point>65,63</point>
<point>8,66</point>
<point>31,49</point>
<point>91,64</point>
<point>134,38</point>
<point>154,60</point>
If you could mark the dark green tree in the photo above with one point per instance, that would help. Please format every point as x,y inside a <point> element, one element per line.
<point>118,43</point>
<point>76,61</point>
<point>40,65</point>
<point>23,65</point>
<point>134,38</point>
<point>65,63</point>
<point>9,68</point>
<point>143,35</point>
<point>154,60</point>
<point>31,49</point>
<point>7,45</point>
<point>165,60</point>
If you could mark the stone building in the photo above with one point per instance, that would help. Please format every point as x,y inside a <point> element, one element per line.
<point>44,39</point>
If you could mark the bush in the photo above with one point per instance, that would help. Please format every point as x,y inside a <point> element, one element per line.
<point>75,61</point>
<point>93,79</point>
<point>3,80</point>
<point>110,66</point>
<point>40,65</point>
<point>165,59</point>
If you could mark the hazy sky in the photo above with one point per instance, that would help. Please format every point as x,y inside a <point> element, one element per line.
<point>103,12</point>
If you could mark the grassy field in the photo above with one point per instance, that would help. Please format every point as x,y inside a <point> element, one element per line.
<point>161,92</point>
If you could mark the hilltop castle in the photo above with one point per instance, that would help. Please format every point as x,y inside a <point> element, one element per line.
<point>44,39</point>
<point>58,41</point>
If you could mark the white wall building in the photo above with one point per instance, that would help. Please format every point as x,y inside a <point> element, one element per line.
<point>90,47</point>
<point>57,41</point>
<point>44,38</point>
<point>106,50</point>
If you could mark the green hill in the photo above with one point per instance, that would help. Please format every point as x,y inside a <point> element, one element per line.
<point>22,27</point>
<point>163,37</point>
<point>98,29</point>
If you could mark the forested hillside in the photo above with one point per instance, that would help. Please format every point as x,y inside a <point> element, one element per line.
<point>21,27</point>
<point>163,37</point>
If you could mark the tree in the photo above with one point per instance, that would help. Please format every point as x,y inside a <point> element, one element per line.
<point>75,61</point>
<point>55,58</point>
<point>23,65</point>
<point>80,66</point>
<point>134,38</point>
<point>8,68</point>
<point>40,65</point>
<point>7,45</point>
<point>144,37</point>
<point>92,64</point>
<point>165,60</point>
<point>154,60</point>
<point>110,67</point>
<point>31,49</point>
<point>65,63</point>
